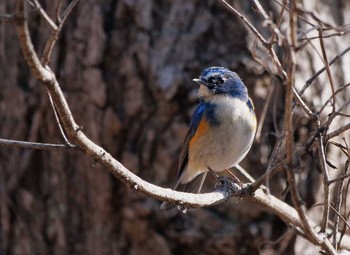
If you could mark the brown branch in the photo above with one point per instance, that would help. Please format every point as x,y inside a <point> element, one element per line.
<point>289,126</point>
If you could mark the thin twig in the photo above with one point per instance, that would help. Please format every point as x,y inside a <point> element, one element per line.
<point>311,79</point>
<point>325,175</point>
<point>36,146</point>
<point>340,178</point>
<point>44,15</point>
<point>328,70</point>
<point>343,114</point>
<point>50,44</point>
<point>266,176</point>
<point>341,33</point>
<point>57,11</point>
<point>338,131</point>
<point>243,172</point>
<point>266,44</point>
<point>340,146</point>
<point>274,27</point>
<point>58,120</point>
<point>264,111</point>
<point>331,97</point>
<point>303,105</point>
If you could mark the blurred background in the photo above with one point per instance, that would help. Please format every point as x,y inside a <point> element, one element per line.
<point>126,68</point>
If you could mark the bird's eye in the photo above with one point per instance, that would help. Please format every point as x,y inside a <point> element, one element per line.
<point>215,80</point>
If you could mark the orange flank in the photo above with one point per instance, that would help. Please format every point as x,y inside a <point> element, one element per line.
<point>202,128</point>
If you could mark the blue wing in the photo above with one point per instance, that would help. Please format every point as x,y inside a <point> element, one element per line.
<point>196,118</point>
<point>203,110</point>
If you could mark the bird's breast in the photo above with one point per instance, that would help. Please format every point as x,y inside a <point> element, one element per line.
<point>226,143</point>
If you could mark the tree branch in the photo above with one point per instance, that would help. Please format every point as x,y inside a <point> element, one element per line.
<point>42,74</point>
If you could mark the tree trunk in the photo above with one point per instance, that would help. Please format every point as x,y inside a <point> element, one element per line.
<point>126,69</point>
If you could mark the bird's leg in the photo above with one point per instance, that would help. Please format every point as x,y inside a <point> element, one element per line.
<point>235,179</point>
<point>213,173</point>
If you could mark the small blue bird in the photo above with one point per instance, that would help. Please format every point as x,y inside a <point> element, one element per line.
<point>221,132</point>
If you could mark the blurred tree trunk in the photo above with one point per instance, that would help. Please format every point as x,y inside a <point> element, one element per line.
<point>126,69</point>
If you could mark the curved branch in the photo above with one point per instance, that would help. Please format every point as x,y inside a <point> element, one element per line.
<point>28,50</point>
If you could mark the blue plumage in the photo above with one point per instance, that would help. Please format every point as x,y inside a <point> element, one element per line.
<point>204,109</point>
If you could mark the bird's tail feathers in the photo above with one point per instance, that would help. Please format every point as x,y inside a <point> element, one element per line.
<point>193,186</point>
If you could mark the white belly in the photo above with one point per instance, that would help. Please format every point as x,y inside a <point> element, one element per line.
<point>226,144</point>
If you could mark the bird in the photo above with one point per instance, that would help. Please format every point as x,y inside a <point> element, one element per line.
<point>221,131</point>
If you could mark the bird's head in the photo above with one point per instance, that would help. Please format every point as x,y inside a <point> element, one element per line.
<point>221,81</point>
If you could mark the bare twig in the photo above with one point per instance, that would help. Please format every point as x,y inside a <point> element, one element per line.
<point>35,146</point>
<point>335,59</point>
<point>266,44</point>
<point>338,131</point>
<point>340,33</point>
<point>266,176</point>
<point>340,178</point>
<point>274,27</point>
<point>50,44</point>
<point>329,99</point>
<point>44,15</point>
<point>328,70</point>
<point>325,175</point>
<point>58,121</point>
<point>263,114</point>
<point>303,105</point>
